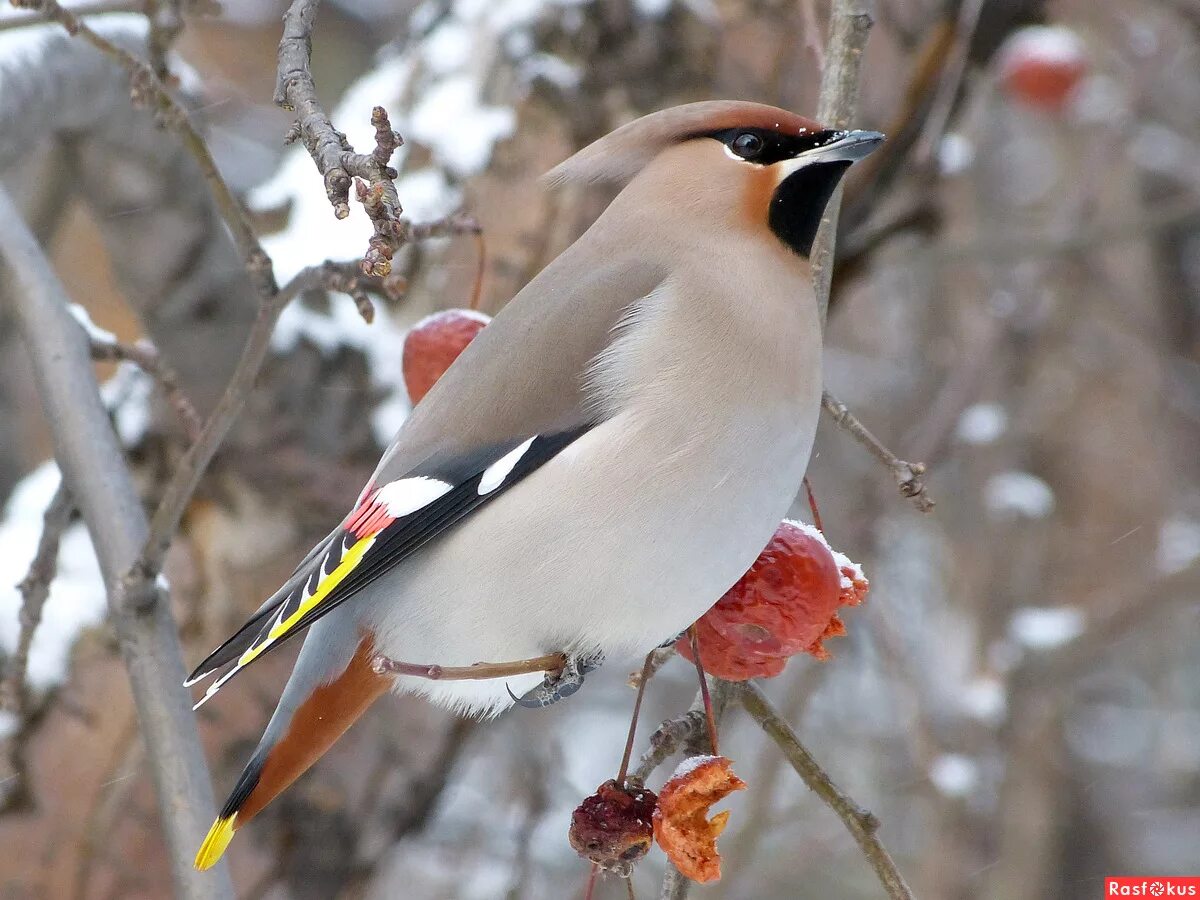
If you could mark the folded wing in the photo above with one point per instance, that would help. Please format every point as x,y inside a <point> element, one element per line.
<point>391,522</point>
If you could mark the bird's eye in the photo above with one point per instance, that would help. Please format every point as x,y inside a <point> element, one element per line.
<point>747,145</point>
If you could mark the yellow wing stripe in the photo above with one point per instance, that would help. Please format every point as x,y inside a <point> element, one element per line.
<point>352,558</point>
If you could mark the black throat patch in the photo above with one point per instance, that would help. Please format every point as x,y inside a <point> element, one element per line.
<point>800,201</point>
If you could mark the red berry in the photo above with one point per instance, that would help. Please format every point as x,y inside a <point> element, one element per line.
<point>433,344</point>
<point>1042,65</point>
<point>785,604</point>
<point>727,660</point>
<point>615,826</point>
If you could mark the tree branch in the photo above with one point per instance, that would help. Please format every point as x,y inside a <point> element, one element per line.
<point>95,472</point>
<point>908,475</point>
<point>145,356</point>
<point>862,824</point>
<point>35,589</point>
<point>335,159</point>
<point>148,89</point>
<point>849,26</point>
<point>671,737</point>
<point>38,17</point>
<point>194,462</point>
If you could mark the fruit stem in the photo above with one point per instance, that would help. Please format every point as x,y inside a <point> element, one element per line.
<point>704,695</point>
<point>812,504</point>
<point>480,260</point>
<point>591,882</point>
<point>647,672</point>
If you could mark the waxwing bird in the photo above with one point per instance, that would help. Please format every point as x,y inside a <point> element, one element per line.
<point>599,465</point>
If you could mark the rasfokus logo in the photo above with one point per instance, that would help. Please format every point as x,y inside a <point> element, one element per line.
<point>1153,886</point>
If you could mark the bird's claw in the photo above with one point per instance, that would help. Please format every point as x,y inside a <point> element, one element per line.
<point>560,685</point>
<point>670,642</point>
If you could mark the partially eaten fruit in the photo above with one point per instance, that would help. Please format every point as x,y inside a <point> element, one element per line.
<point>613,827</point>
<point>785,604</point>
<point>681,824</point>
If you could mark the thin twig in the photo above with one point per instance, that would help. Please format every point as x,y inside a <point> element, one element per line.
<point>671,737</point>
<point>647,671</point>
<point>39,17</point>
<point>950,84</point>
<point>658,659</point>
<point>166,24</point>
<point>812,504</point>
<point>814,41</point>
<point>705,698</point>
<point>145,356</point>
<point>908,475</point>
<point>480,671</point>
<point>35,588</point>
<point>195,460</point>
<point>148,89</point>
<point>339,165</point>
<point>675,885</point>
<point>862,824</point>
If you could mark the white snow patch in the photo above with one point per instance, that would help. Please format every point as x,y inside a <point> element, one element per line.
<point>981,423</point>
<point>1044,628</point>
<point>127,395</point>
<point>954,775</point>
<point>839,559</point>
<point>955,153</point>
<point>689,765</point>
<point>77,597</point>
<point>1161,149</point>
<point>343,327</point>
<point>1100,100</point>
<point>811,530</point>
<point>447,47</point>
<point>1178,544</point>
<point>1015,494</point>
<point>427,194</point>
<point>94,331</point>
<point>553,69</point>
<point>985,699</point>
<point>842,561</point>
<point>652,9</point>
<point>458,126</point>
<point>25,46</point>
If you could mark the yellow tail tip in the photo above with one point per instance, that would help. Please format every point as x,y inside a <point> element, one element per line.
<point>215,842</point>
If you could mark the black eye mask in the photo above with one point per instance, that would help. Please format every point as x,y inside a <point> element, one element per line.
<point>766,147</point>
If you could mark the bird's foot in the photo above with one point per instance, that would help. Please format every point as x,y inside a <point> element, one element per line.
<point>560,685</point>
<point>670,642</point>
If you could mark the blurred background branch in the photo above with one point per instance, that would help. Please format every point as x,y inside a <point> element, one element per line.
<point>92,465</point>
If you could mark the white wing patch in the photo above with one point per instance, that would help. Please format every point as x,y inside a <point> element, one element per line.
<point>494,475</point>
<point>406,495</point>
